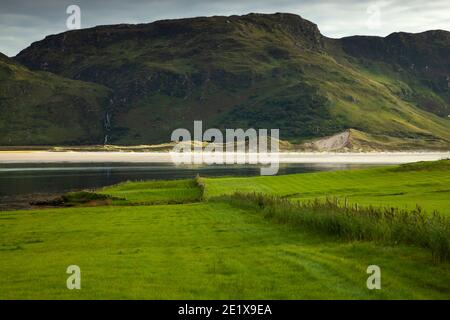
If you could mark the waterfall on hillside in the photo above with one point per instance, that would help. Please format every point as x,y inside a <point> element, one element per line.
<point>107,126</point>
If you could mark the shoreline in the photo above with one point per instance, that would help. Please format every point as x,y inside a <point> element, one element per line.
<point>20,157</point>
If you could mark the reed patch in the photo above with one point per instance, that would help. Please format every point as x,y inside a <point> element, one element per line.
<point>352,222</point>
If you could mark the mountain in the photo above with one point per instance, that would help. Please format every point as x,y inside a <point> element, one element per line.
<point>257,70</point>
<point>420,60</point>
<point>39,108</point>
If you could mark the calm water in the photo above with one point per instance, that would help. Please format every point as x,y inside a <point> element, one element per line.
<point>20,183</point>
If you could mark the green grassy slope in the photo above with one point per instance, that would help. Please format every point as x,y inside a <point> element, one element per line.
<point>39,108</point>
<point>154,192</point>
<point>197,251</point>
<point>416,64</point>
<point>425,184</point>
<point>263,71</point>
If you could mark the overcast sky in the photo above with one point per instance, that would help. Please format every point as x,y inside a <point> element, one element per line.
<point>25,21</point>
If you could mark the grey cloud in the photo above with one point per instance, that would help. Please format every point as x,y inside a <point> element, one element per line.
<point>23,21</point>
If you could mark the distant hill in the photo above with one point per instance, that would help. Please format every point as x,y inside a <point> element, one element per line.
<point>39,108</point>
<point>257,70</point>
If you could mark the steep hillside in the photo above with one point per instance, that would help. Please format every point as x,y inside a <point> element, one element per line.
<point>263,71</point>
<point>38,108</point>
<point>419,60</point>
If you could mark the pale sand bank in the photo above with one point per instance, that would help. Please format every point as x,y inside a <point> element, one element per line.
<point>165,157</point>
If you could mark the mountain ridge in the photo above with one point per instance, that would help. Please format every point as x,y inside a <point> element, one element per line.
<point>257,70</point>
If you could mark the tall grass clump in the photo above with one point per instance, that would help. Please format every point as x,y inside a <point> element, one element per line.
<point>392,225</point>
<point>201,185</point>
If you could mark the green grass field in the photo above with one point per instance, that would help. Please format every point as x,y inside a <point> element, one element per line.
<point>154,192</point>
<point>402,187</point>
<point>212,249</point>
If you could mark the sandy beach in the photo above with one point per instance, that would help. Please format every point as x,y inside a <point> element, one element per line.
<point>166,157</point>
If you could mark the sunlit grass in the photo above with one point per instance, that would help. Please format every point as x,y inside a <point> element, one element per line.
<point>427,185</point>
<point>154,192</point>
<point>198,251</point>
<point>211,247</point>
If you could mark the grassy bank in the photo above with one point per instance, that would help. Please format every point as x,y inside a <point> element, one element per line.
<point>426,184</point>
<point>154,192</point>
<point>194,239</point>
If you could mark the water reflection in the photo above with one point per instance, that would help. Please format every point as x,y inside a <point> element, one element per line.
<point>20,181</point>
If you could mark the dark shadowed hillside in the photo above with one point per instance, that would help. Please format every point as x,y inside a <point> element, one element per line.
<point>39,108</point>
